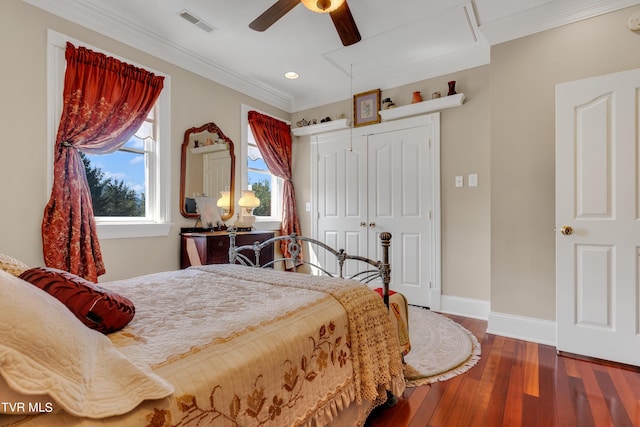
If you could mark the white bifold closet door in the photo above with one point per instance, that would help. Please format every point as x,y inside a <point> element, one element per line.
<point>381,179</point>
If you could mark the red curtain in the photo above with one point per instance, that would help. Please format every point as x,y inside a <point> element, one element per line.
<point>273,138</point>
<point>105,102</point>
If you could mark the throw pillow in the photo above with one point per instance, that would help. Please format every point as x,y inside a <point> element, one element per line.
<point>46,353</point>
<point>96,307</point>
<point>12,265</point>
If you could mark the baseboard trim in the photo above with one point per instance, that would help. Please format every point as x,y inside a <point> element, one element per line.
<point>503,324</point>
<point>467,307</point>
<point>522,328</point>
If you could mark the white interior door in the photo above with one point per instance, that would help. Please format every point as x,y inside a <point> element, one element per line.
<point>597,186</point>
<point>398,198</point>
<point>341,184</point>
<point>216,173</point>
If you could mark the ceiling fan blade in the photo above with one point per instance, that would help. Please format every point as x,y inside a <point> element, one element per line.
<point>271,15</point>
<point>345,25</point>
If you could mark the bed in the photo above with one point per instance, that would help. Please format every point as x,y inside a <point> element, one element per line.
<point>213,345</point>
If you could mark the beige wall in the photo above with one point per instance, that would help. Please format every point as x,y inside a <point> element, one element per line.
<point>465,149</point>
<point>524,73</point>
<point>23,158</point>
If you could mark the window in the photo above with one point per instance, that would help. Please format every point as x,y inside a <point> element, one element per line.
<point>268,188</point>
<point>135,200</point>
<point>119,181</point>
<point>256,176</point>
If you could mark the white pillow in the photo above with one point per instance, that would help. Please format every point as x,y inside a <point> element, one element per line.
<point>12,402</point>
<point>46,350</point>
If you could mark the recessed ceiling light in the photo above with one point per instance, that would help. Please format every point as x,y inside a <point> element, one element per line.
<point>291,75</point>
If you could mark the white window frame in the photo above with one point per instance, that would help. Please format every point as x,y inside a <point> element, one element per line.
<point>158,219</point>
<point>273,222</point>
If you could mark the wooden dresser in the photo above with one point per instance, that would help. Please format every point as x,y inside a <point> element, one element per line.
<point>213,246</point>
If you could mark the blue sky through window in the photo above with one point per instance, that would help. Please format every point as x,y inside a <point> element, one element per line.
<point>123,165</point>
<point>257,164</point>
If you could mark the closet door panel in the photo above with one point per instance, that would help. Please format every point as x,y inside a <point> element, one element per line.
<point>399,171</point>
<point>381,180</point>
<point>328,183</point>
<point>409,180</point>
<point>341,198</point>
<point>355,181</point>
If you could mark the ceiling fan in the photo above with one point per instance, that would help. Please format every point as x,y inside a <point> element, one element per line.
<point>337,9</point>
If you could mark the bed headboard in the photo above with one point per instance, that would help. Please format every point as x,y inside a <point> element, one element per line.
<point>367,270</point>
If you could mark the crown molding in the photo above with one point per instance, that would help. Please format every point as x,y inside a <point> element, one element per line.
<point>92,17</point>
<point>544,17</point>
<point>547,16</point>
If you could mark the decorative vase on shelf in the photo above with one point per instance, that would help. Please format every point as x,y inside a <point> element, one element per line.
<point>452,87</point>
<point>416,97</point>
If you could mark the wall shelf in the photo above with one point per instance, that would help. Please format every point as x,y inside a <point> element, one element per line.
<point>423,107</point>
<point>321,127</point>
<point>418,108</point>
<point>209,148</point>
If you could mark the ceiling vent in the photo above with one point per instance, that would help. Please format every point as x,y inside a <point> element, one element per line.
<point>184,13</point>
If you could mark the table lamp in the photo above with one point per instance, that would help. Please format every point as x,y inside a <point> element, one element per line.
<point>248,202</point>
<point>224,202</point>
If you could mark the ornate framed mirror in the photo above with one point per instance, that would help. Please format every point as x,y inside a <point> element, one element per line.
<point>207,167</point>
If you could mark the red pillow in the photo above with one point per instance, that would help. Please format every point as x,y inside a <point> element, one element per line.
<point>96,307</point>
<point>380,291</point>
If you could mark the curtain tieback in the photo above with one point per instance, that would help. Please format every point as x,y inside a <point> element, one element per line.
<point>68,144</point>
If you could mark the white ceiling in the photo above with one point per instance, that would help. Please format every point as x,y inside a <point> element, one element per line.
<point>403,41</point>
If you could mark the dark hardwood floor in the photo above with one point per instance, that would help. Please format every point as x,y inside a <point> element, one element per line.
<point>519,383</point>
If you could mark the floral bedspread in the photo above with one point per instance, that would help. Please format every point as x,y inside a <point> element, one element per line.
<point>253,347</point>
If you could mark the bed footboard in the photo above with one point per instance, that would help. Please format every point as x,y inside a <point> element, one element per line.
<point>368,270</point>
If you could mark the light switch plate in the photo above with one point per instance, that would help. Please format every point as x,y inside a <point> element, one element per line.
<point>459,181</point>
<point>473,180</point>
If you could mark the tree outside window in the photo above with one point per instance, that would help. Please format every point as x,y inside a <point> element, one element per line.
<point>119,182</point>
<point>261,181</point>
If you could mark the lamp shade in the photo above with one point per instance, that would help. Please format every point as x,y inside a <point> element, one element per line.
<point>224,201</point>
<point>249,200</point>
<point>322,6</point>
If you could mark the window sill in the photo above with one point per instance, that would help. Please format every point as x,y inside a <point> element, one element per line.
<point>132,230</point>
<point>267,225</point>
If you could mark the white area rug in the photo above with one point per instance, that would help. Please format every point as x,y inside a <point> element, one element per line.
<point>440,348</point>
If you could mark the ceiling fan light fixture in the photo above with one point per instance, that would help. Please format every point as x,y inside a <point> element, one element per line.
<point>322,6</point>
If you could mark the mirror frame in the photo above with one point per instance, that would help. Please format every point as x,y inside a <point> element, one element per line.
<point>212,128</point>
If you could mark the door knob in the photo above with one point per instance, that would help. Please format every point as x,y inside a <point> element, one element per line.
<point>566,230</point>
<point>372,224</point>
<point>363,224</point>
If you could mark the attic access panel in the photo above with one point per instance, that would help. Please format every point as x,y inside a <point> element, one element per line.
<point>433,38</point>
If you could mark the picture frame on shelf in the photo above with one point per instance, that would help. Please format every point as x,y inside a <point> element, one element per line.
<point>366,107</point>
